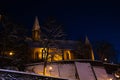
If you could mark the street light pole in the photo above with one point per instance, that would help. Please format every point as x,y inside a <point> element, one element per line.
<point>50,70</point>
<point>59,70</point>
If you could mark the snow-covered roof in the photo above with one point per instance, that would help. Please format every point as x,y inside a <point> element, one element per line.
<point>61,44</point>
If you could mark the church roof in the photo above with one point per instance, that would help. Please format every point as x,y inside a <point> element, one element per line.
<point>61,44</point>
<point>66,44</point>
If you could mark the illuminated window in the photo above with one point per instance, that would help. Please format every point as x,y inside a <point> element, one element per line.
<point>44,54</point>
<point>57,57</point>
<point>67,56</point>
<point>49,58</point>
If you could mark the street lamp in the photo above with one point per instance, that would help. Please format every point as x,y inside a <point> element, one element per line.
<point>110,79</point>
<point>11,53</point>
<point>117,74</point>
<point>50,69</point>
<point>105,59</point>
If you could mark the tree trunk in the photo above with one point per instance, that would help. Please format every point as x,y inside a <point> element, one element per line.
<point>45,61</point>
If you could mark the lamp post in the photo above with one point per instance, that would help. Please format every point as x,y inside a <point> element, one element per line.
<point>50,70</point>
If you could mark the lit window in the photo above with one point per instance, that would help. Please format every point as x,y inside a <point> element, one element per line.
<point>57,57</point>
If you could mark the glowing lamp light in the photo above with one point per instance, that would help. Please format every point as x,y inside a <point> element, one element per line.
<point>110,79</point>
<point>50,68</point>
<point>117,76</point>
<point>11,53</point>
<point>105,59</point>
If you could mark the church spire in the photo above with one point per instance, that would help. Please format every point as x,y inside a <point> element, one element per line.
<point>87,43</point>
<point>36,30</point>
<point>36,25</point>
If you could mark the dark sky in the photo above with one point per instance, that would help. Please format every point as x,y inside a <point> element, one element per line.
<point>99,20</point>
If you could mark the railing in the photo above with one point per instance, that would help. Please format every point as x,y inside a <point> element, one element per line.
<point>17,75</point>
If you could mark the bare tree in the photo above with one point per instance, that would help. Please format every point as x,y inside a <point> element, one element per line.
<point>52,31</point>
<point>105,51</point>
<point>12,39</point>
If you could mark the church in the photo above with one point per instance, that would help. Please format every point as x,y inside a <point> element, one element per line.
<point>62,50</point>
<point>62,61</point>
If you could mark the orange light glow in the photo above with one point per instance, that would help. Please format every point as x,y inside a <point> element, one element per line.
<point>50,68</point>
<point>11,53</point>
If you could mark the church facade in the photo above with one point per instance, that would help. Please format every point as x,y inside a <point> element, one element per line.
<point>63,51</point>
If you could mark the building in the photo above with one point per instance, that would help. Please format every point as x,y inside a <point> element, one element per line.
<point>63,62</point>
<point>58,49</point>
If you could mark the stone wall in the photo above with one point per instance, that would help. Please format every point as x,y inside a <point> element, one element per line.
<point>63,70</point>
<point>73,70</point>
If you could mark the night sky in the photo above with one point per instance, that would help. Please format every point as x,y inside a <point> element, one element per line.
<point>99,20</point>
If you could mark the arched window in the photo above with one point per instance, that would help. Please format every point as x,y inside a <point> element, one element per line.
<point>67,56</point>
<point>44,54</point>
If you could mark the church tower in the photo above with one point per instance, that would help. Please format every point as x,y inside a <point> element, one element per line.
<point>36,30</point>
<point>89,48</point>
